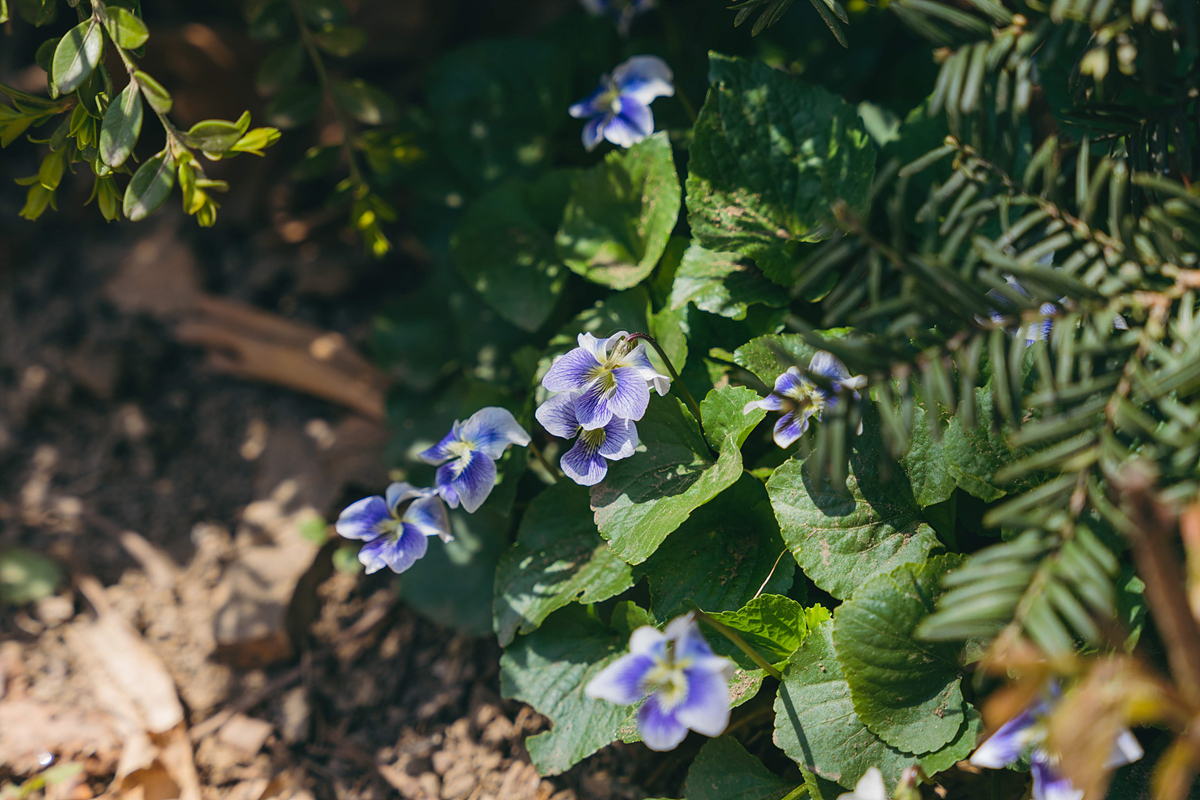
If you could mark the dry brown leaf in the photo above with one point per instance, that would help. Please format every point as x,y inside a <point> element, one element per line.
<point>29,729</point>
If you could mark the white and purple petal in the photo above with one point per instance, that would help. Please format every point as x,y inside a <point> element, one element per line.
<point>771,402</point>
<point>660,729</point>
<point>583,463</point>
<point>790,383</point>
<point>689,643</point>
<point>471,477</point>
<point>629,395</point>
<point>869,787</point>
<point>400,492</point>
<point>599,347</point>
<point>624,132</point>
<point>557,415</point>
<point>1126,750</point>
<point>639,359</point>
<point>492,429</point>
<point>706,707</point>
<point>594,104</point>
<point>592,409</point>
<point>593,132</point>
<point>571,370</point>
<point>644,78</point>
<point>428,516</point>
<point>829,365</point>
<point>441,451</point>
<point>1048,783</point>
<point>649,641</point>
<point>363,519</point>
<point>791,426</point>
<point>620,439</point>
<point>398,553</point>
<point>1008,742</point>
<point>621,681</point>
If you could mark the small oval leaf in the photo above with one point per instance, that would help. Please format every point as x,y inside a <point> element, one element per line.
<point>76,55</point>
<point>294,106</point>
<point>158,97</point>
<point>122,126</point>
<point>280,68</point>
<point>368,104</point>
<point>340,40</point>
<point>214,136</point>
<point>150,186</point>
<point>125,28</point>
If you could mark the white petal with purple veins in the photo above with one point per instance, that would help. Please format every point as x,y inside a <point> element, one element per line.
<point>492,430</point>
<point>599,347</point>
<point>472,477</point>
<point>398,493</point>
<point>583,464</point>
<point>620,439</point>
<point>660,729</point>
<point>638,115</point>
<point>829,365</point>
<point>644,78</point>
<point>441,451</point>
<point>771,402</point>
<point>706,709</point>
<point>790,382</point>
<point>557,415</point>
<point>621,132</point>
<point>593,132</point>
<point>629,395</point>
<point>1048,783</point>
<point>572,370</point>
<point>621,681</point>
<point>648,641</point>
<point>363,519</point>
<point>790,427</point>
<point>428,516</point>
<point>1008,742</point>
<point>592,409</point>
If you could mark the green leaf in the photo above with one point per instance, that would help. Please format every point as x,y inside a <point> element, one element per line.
<point>621,213</point>
<point>26,577</point>
<point>38,12</point>
<point>504,249</point>
<point>149,187</point>
<point>158,97</point>
<point>216,136</point>
<point>925,462</point>
<point>125,28</point>
<point>294,106</point>
<point>974,455</point>
<point>495,105</point>
<point>122,126</point>
<point>366,102</point>
<point>721,556</point>
<point>324,12</point>
<point>548,669</point>
<point>773,625</point>
<point>818,728</point>
<point>721,283</point>
<point>280,68</point>
<point>558,558</point>
<point>723,770</point>
<point>340,40</point>
<point>770,157</point>
<point>650,494</point>
<point>77,54</point>
<point>770,356</point>
<point>904,689</point>
<point>841,536</point>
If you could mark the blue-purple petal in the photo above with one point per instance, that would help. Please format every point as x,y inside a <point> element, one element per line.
<point>1008,742</point>
<point>428,516</point>
<point>629,396</point>
<point>706,707</point>
<point>660,728</point>
<point>441,451</point>
<point>472,478</point>
<point>620,439</point>
<point>791,426</point>
<point>593,132</point>
<point>572,370</point>
<point>789,383</point>
<point>401,492</point>
<point>557,415</point>
<point>591,105</point>
<point>644,78</point>
<point>492,429</point>
<point>689,642</point>
<point>623,131</point>
<point>621,681</point>
<point>829,365</point>
<point>363,519</point>
<point>1048,783</point>
<point>398,553</point>
<point>592,409</point>
<point>583,464</point>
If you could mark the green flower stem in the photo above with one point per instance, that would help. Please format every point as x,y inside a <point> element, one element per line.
<point>552,471</point>
<point>314,55</point>
<point>798,792</point>
<point>692,405</point>
<point>740,643</point>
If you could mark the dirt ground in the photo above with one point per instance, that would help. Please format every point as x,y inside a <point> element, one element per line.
<point>202,645</point>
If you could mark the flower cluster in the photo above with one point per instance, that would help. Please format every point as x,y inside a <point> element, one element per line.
<point>395,527</point>
<point>1027,729</point>
<point>603,388</point>
<point>685,685</point>
<point>799,398</point>
<point>621,11</point>
<point>619,109</point>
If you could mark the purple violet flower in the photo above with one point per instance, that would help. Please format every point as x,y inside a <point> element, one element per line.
<point>394,539</point>
<point>587,462</point>
<point>471,448</point>
<point>684,683</point>
<point>621,11</point>
<point>619,110</point>
<point>799,398</point>
<point>612,378</point>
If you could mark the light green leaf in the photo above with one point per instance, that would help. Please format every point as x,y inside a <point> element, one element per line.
<point>216,136</point>
<point>26,576</point>
<point>974,455</point>
<point>77,54</point>
<point>364,101</point>
<point>721,556</point>
<point>621,213</point>
<point>505,250</point>
<point>770,157</point>
<point>122,126</point>
<point>818,728</point>
<point>558,558</point>
<point>125,28</point>
<point>772,624</point>
<point>157,96</point>
<point>841,536</point>
<point>549,669</point>
<point>904,689</point>
<point>723,770</point>
<point>721,283</point>
<point>149,187</point>
<point>925,462</point>
<point>650,494</point>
